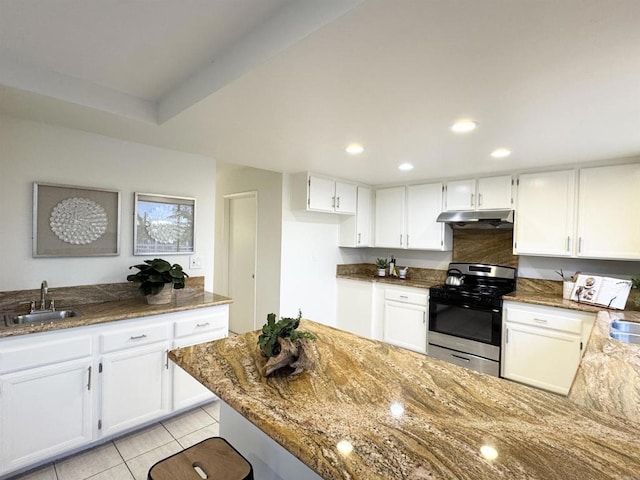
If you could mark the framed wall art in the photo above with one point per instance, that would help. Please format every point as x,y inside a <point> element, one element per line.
<point>73,221</point>
<point>163,224</point>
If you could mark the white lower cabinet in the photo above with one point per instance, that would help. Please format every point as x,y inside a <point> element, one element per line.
<point>44,411</point>
<point>355,307</point>
<point>542,346</point>
<point>62,390</point>
<point>135,386</point>
<point>405,318</point>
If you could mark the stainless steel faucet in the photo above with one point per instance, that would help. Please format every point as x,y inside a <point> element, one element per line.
<point>44,289</point>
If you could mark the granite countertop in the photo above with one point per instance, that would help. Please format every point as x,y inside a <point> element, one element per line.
<point>552,300</point>
<point>608,378</point>
<point>407,282</point>
<point>411,416</point>
<point>95,313</point>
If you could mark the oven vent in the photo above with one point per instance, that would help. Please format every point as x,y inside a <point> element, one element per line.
<point>484,219</point>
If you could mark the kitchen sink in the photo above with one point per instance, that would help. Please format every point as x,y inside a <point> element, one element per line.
<point>627,327</point>
<point>628,332</point>
<point>38,317</point>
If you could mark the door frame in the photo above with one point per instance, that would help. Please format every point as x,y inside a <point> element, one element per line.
<point>227,245</point>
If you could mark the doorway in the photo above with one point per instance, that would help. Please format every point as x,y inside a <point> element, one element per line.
<point>241,212</point>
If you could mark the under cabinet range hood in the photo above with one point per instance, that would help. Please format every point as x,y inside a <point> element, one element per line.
<point>486,219</point>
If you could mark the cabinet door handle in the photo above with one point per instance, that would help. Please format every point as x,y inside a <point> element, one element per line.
<point>407,239</point>
<point>579,244</point>
<point>424,317</point>
<point>198,325</point>
<point>333,202</point>
<point>89,380</point>
<point>359,238</point>
<point>138,337</point>
<point>400,239</point>
<point>472,195</point>
<point>479,199</point>
<point>506,336</point>
<point>568,244</point>
<point>337,202</point>
<point>166,365</point>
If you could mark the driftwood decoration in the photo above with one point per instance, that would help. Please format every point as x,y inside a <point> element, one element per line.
<point>285,346</point>
<point>293,354</point>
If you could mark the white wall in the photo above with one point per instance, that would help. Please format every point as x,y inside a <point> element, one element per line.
<point>31,151</point>
<point>309,258</point>
<point>268,185</point>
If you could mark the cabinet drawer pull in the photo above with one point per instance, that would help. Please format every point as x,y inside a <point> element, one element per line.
<point>138,337</point>
<point>461,358</point>
<point>404,296</point>
<point>206,324</point>
<point>539,320</point>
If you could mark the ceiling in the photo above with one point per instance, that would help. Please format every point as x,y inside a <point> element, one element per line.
<point>285,85</point>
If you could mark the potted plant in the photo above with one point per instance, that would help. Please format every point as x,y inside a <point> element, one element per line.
<point>154,275</point>
<point>381,265</point>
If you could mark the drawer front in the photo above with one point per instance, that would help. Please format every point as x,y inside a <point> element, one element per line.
<point>134,337</point>
<point>28,352</point>
<point>202,322</point>
<point>406,296</point>
<point>548,320</point>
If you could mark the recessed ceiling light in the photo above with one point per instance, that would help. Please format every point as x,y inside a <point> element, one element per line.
<point>464,126</point>
<point>354,149</point>
<point>405,167</point>
<point>501,153</point>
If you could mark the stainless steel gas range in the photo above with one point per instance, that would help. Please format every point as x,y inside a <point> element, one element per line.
<point>465,317</point>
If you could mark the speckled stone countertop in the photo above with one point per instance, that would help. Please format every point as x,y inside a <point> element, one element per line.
<point>608,378</point>
<point>95,313</point>
<point>411,416</point>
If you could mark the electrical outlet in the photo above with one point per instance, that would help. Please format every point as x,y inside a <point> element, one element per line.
<point>195,262</point>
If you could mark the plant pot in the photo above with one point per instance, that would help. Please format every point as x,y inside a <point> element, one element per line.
<point>163,297</point>
<point>382,272</point>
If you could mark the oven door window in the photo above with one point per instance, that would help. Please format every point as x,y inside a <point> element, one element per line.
<point>481,325</point>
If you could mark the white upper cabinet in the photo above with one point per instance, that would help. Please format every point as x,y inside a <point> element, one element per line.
<point>490,193</point>
<point>323,194</point>
<point>390,217</point>
<point>345,198</point>
<point>355,231</point>
<point>544,223</point>
<point>406,218</point>
<point>601,223</point>
<point>495,193</point>
<point>424,204</point>
<point>608,220</point>
<point>461,195</point>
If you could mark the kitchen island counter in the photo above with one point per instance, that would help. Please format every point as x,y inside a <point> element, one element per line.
<point>410,416</point>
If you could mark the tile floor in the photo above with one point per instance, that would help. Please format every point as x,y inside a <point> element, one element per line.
<point>130,457</point>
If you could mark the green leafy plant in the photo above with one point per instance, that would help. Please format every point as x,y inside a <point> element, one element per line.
<point>283,328</point>
<point>382,263</point>
<point>154,274</point>
<point>635,281</point>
